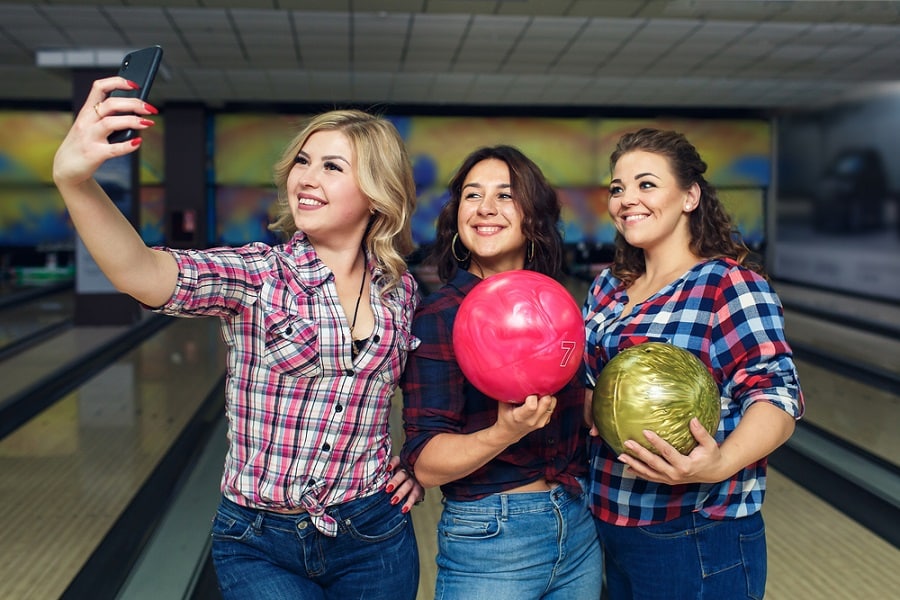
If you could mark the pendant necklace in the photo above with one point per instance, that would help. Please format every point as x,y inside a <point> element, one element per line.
<point>354,348</point>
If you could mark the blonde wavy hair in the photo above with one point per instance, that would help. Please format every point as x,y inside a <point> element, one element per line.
<point>384,174</point>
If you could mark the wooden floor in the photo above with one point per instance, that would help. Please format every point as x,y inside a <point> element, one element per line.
<point>66,475</point>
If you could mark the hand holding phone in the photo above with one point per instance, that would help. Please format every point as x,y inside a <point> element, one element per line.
<point>140,67</point>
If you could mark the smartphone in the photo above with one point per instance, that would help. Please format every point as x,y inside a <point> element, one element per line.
<point>140,67</point>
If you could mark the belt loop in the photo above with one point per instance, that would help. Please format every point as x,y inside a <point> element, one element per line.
<point>504,507</point>
<point>258,522</point>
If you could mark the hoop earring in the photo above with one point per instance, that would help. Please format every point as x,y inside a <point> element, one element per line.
<point>453,250</point>
<point>529,254</point>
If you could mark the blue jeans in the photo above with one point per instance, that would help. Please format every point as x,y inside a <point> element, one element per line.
<point>690,557</point>
<point>265,555</point>
<point>519,546</point>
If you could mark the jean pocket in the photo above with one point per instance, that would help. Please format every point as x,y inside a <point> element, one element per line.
<point>469,527</point>
<point>380,522</point>
<point>753,553</point>
<point>226,527</point>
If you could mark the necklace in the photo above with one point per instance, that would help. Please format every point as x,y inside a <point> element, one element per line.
<point>353,347</point>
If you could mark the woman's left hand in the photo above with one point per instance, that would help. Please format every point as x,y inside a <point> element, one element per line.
<point>670,466</point>
<point>403,486</point>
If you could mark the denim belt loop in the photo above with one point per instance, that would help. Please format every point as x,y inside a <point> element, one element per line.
<point>258,522</point>
<point>504,507</point>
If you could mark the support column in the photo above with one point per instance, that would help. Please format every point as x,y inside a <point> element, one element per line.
<point>96,300</point>
<point>186,214</point>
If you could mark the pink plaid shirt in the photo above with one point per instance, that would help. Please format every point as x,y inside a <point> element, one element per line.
<point>308,422</point>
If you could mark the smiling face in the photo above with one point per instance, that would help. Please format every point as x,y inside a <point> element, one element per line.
<point>323,192</point>
<point>490,220</point>
<point>647,204</point>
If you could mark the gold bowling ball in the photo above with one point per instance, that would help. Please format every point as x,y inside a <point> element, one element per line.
<point>654,386</point>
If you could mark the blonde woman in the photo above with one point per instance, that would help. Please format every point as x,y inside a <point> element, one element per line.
<point>318,331</point>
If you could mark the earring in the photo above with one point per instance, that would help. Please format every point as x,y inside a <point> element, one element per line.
<point>453,250</point>
<point>529,254</point>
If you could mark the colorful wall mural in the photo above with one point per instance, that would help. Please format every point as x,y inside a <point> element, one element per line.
<point>573,153</point>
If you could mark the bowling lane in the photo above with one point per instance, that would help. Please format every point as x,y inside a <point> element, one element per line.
<point>816,551</point>
<point>24,322</point>
<point>858,413</point>
<point>69,472</point>
<point>857,346</point>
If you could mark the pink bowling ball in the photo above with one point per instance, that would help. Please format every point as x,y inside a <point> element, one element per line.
<point>518,333</point>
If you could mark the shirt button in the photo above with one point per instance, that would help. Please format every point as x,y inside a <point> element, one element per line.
<point>551,441</point>
<point>302,525</point>
<point>338,408</point>
<point>349,372</point>
<point>326,447</point>
<point>289,331</point>
<point>376,338</point>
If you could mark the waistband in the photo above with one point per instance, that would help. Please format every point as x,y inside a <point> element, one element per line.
<point>503,505</point>
<point>337,511</point>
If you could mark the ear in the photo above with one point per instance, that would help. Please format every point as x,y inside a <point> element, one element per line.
<point>692,197</point>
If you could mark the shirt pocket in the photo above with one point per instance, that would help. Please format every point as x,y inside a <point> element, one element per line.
<point>292,345</point>
<point>391,369</point>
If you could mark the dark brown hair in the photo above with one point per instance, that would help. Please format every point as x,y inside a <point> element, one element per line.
<point>534,196</point>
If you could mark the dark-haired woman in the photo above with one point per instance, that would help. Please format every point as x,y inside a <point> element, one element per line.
<point>675,526</point>
<point>515,522</point>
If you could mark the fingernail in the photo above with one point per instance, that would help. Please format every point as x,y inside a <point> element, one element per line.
<point>150,109</point>
<point>136,141</point>
<point>146,122</point>
<point>133,85</point>
<point>389,488</point>
<point>390,467</point>
<point>404,510</point>
<point>395,500</point>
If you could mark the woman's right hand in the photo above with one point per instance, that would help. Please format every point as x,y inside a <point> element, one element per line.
<point>518,420</point>
<point>85,147</point>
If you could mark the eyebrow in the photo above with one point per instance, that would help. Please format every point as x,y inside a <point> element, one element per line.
<point>476,184</point>
<point>636,177</point>
<point>335,157</point>
<point>326,157</point>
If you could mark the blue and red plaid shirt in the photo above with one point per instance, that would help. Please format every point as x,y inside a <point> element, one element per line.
<point>308,422</point>
<point>731,319</point>
<point>439,399</point>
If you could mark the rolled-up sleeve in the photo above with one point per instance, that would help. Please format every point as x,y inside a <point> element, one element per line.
<point>749,344</point>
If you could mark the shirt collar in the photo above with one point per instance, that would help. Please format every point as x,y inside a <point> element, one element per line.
<point>464,281</point>
<point>310,270</point>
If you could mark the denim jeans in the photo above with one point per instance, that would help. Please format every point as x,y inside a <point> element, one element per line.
<point>265,555</point>
<point>691,557</point>
<point>519,546</point>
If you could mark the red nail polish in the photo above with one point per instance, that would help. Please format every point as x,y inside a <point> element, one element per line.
<point>136,141</point>
<point>146,122</point>
<point>404,510</point>
<point>395,500</point>
<point>150,109</point>
<point>133,85</point>
<point>389,488</point>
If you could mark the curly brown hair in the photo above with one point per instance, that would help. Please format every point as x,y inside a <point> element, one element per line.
<point>536,199</point>
<point>713,234</point>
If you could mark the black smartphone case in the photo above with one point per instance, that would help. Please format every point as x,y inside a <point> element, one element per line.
<point>140,67</point>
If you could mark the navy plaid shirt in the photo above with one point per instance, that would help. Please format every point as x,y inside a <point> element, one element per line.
<point>439,399</point>
<point>731,319</point>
